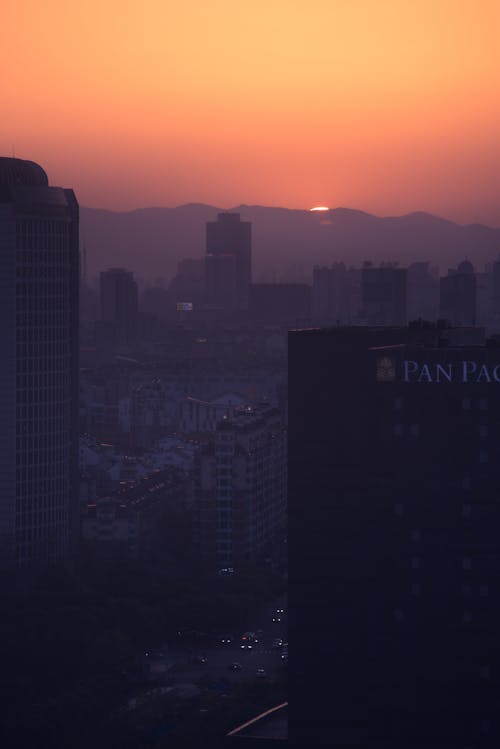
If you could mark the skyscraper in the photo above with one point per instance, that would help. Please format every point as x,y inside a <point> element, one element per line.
<point>383,292</point>
<point>457,295</point>
<point>119,305</point>
<point>240,479</point>
<point>39,374</point>
<point>228,262</point>
<point>393,536</point>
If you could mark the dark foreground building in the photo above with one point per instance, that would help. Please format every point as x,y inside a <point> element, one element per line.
<point>39,371</point>
<point>394,537</point>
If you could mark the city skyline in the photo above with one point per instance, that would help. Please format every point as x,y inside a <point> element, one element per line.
<point>385,107</point>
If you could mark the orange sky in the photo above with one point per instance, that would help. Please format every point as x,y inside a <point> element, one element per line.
<point>384,105</point>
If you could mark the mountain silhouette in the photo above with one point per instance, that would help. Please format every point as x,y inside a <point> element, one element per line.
<point>151,241</point>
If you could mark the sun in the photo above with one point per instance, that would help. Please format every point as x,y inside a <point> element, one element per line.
<point>319,208</point>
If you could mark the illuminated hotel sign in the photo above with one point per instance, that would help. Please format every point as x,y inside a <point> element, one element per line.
<point>466,371</point>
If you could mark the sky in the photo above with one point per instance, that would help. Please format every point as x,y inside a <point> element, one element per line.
<point>388,106</point>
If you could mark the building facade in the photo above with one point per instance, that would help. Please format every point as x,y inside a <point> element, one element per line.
<point>240,489</point>
<point>457,295</point>
<point>39,281</point>
<point>394,447</point>
<point>228,262</point>
<point>119,306</point>
<point>384,295</point>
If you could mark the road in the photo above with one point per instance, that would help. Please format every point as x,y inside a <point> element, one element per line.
<point>220,657</point>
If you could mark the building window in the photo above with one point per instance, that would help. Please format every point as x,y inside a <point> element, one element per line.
<point>483,404</point>
<point>416,536</point>
<point>398,615</point>
<point>467,617</point>
<point>466,404</point>
<point>398,403</point>
<point>466,510</point>
<point>483,456</point>
<point>398,509</point>
<point>483,430</point>
<point>484,672</point>
<point>415,563</point>
<point>467,590</point>
<point>466,482</point>
<point>415,589</point>
<point>398,430</point>
<point>466,563</point>
<point>415,430</point>
<point>484,590</point>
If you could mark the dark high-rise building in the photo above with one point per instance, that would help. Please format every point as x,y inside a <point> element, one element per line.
<point>228,262</point>
<point>188,285</point>
<point>495,283</point>
<point>457,295</point>
<point>422,292</point>
<point>336,295</point>
<point>39,279</point>
<point>383,295</point>
<point>240,494</point>
<point>119,305</point>
<point>394,447</point>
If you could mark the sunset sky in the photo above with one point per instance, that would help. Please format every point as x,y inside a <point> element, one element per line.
<point>388,106</point>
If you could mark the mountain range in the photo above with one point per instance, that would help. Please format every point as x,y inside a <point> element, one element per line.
<point>286,243</point>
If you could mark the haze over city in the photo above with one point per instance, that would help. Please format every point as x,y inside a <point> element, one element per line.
<point>250,380</point>
<point>387,107</point>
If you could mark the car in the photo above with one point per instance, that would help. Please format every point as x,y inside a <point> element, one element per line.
<point>226,571</point>
<point>250,637</point>
<point>154,654</point>
<point>235,667</point>
<point>261,674</point>
<point>225,640</point>
<point>200,659</point>
<point>277,643</point>
<point>246,646</point>
<point>276,619</point>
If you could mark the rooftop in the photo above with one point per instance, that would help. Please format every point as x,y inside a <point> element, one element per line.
<point>15,172</point>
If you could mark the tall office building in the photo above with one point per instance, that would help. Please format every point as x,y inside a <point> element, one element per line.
<point>383,295</point>
<point>457,295</point>
<point>495,287</point>
<point>393,537</point>
<point>228,262</point>
<point>336,295</point>
<point>39,280</point>
<point>422,291</point>
<point>119,306</point>
<point>240,489</point>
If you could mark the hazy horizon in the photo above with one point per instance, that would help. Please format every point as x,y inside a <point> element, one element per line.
<point>277,206</point>
<point>386,106</point>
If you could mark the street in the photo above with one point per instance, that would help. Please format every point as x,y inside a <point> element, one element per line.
<point>220,657</point>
